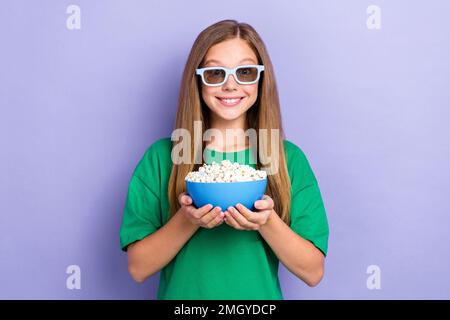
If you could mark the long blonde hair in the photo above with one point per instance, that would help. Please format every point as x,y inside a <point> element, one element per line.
<point>264,114</point>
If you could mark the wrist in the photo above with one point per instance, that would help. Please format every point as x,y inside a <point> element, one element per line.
<point>185,222</point>
<point>270,219</point>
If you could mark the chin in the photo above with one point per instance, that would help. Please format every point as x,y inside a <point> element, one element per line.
<point>228,114</point>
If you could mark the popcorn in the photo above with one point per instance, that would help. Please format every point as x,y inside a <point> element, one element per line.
<point>226,171</point>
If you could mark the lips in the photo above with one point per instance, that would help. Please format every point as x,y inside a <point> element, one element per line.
<point>230,101</point>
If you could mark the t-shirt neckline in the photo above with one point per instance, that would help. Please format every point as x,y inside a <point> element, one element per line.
<point>231,152</point>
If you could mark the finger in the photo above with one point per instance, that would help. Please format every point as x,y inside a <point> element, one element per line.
<point>248,214</point>
<point>187,200</point>
<point>231,221</point>
<point>216,221</point>
<point>221,221</point>
<point>180,197</point>
<point>243,222</point>
<point>200,212</point>
<point>266,203</point>
<point>210,216</point>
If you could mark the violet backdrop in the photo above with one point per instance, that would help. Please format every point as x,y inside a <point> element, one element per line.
<point>369,107</point>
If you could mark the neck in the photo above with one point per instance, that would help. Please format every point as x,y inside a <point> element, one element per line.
<point>233,133</point>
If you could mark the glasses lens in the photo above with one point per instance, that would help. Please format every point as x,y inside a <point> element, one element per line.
<point>214,76</point>
<point>247,74</point>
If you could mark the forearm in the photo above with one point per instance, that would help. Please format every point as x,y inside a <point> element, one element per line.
<point>151,254</point>
<point>299,255</point>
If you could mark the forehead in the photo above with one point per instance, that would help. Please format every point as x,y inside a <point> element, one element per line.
<point>230,53</point>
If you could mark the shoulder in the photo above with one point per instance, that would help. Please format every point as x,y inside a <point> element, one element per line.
<point>293,151</point>
<point>299,168</point>
<point>157,154</point>
<point>160,148</point>
<point>161,145</point>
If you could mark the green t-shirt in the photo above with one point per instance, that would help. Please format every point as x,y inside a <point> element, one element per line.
<point>222,262</point>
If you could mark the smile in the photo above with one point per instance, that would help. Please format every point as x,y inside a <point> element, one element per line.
<point>230,101</point>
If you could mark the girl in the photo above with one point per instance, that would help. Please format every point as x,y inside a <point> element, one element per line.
<point>225,253</point>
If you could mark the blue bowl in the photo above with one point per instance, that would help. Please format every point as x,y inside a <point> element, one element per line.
<point>226,194</point>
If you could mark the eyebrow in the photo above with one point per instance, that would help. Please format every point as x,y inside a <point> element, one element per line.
<point>218,62</point>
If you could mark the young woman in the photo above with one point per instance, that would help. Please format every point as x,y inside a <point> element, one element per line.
<point>225,253</point>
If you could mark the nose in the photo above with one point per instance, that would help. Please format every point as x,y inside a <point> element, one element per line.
<point>230,83</point>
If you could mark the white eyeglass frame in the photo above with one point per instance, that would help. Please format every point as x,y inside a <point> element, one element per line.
<point>228,71</point>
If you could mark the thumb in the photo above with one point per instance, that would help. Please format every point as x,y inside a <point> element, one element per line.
<point>186,200</point>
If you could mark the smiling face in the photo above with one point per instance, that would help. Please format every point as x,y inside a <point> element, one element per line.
<point>230,101</point>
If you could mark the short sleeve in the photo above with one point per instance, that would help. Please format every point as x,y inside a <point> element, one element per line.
<point>142,210</point>
<point>308,216</point>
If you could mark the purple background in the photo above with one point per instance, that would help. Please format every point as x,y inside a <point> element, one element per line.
<point>370,108</point>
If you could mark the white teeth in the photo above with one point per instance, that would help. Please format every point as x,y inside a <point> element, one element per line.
<point>230,100</point>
